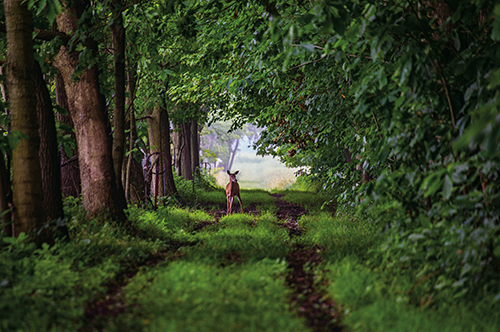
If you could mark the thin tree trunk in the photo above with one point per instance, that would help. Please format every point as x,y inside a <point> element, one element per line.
<point>70,169</point>
<point>119,73</point>
<point>179,147</point>
<point>49,157</point>
<point>87,109</point>
<point>132,81</point>
<point>195,147</point>
<point>170,188</point>
<point>186,168</point>
<point>29,213</point>
<point>154,131</point>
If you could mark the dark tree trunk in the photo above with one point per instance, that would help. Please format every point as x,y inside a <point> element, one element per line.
<point>195,147</point>
<point>178,140</point>
<point>87,109</point>
<point>186,165</point>
<point>29,209</point>
<point>119,73</point>
<point>170,189</point>
<point>134,178</point>
<point>70,170</point>
<point>50,163</point>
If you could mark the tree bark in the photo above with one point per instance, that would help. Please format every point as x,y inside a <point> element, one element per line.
<point>119,73</point>
<point>170,188</point>
<point>195,147</point>
<point>70,169</point>
<point>134,178</point>
<point>87,109</point>
<point>186,165</point>
<point>154,131</point>
<point>29,213</point>
<point>48,154</point>
<point>178,140</point>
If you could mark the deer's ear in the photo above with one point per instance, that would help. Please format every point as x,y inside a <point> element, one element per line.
<point>236,172</point>
<point>228,172</point>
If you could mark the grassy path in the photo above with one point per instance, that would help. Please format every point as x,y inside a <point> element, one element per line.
<point>246,272</point>
<point>283,265</point>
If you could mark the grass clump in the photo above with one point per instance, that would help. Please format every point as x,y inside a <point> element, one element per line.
<point>340,236</point>
<point>240,237</point>
<point>371,302</point>
<point>194,296</point>
<point>169,223</point>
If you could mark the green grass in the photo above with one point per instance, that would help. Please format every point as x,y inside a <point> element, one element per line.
<point>339,236</point>
<point>373,303</point>
<point>311,201</point>
<point>261,198</point>
<point>241,236</point>
<point>229,275</point>
<point>46,289</point>
<point>195,296</point>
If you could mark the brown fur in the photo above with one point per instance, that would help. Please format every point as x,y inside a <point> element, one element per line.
<point>232,189</point>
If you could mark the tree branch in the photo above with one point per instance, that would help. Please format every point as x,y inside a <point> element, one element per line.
<point>44,34</point>
<point>308,63</point>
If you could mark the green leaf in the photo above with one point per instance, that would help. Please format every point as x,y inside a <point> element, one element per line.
<point>65,127</point>
<point>424,220</point>
<point>448,186</point>
<point>61,110</point>
<point>496,251</point>
<point>68,150</point>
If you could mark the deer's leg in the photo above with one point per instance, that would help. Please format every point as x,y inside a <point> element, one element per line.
<point>241,205</point>
<point>231,199</point>
<point>227,205</point>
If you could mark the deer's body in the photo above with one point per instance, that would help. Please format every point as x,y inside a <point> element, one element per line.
<point>232,190</point>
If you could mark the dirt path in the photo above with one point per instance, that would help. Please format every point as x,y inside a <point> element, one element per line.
<point>310,299</point>
<point>106,307</point>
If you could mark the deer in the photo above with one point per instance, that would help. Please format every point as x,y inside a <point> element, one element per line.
<point>232,189</point>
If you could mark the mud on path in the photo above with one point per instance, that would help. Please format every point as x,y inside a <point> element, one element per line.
<point>104,308</point>
<point>286,210</point>
<point>309,299</point>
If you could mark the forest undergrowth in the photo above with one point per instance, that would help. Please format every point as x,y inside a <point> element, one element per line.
<point>288,263</point>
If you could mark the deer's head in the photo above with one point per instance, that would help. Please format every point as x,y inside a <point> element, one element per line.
<point>232,177</point>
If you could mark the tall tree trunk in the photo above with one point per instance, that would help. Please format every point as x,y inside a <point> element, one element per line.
<point>186,165</point>
<point>119,73</point>
<point>170,189</point>
<point>178,140</point>
<point>154,131</point>
<point>70,169</point>
<point>134,178</point>
<point>49,157</point>
<point>87,109</point>
<point>195,147</point>
<point>29,213</point>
